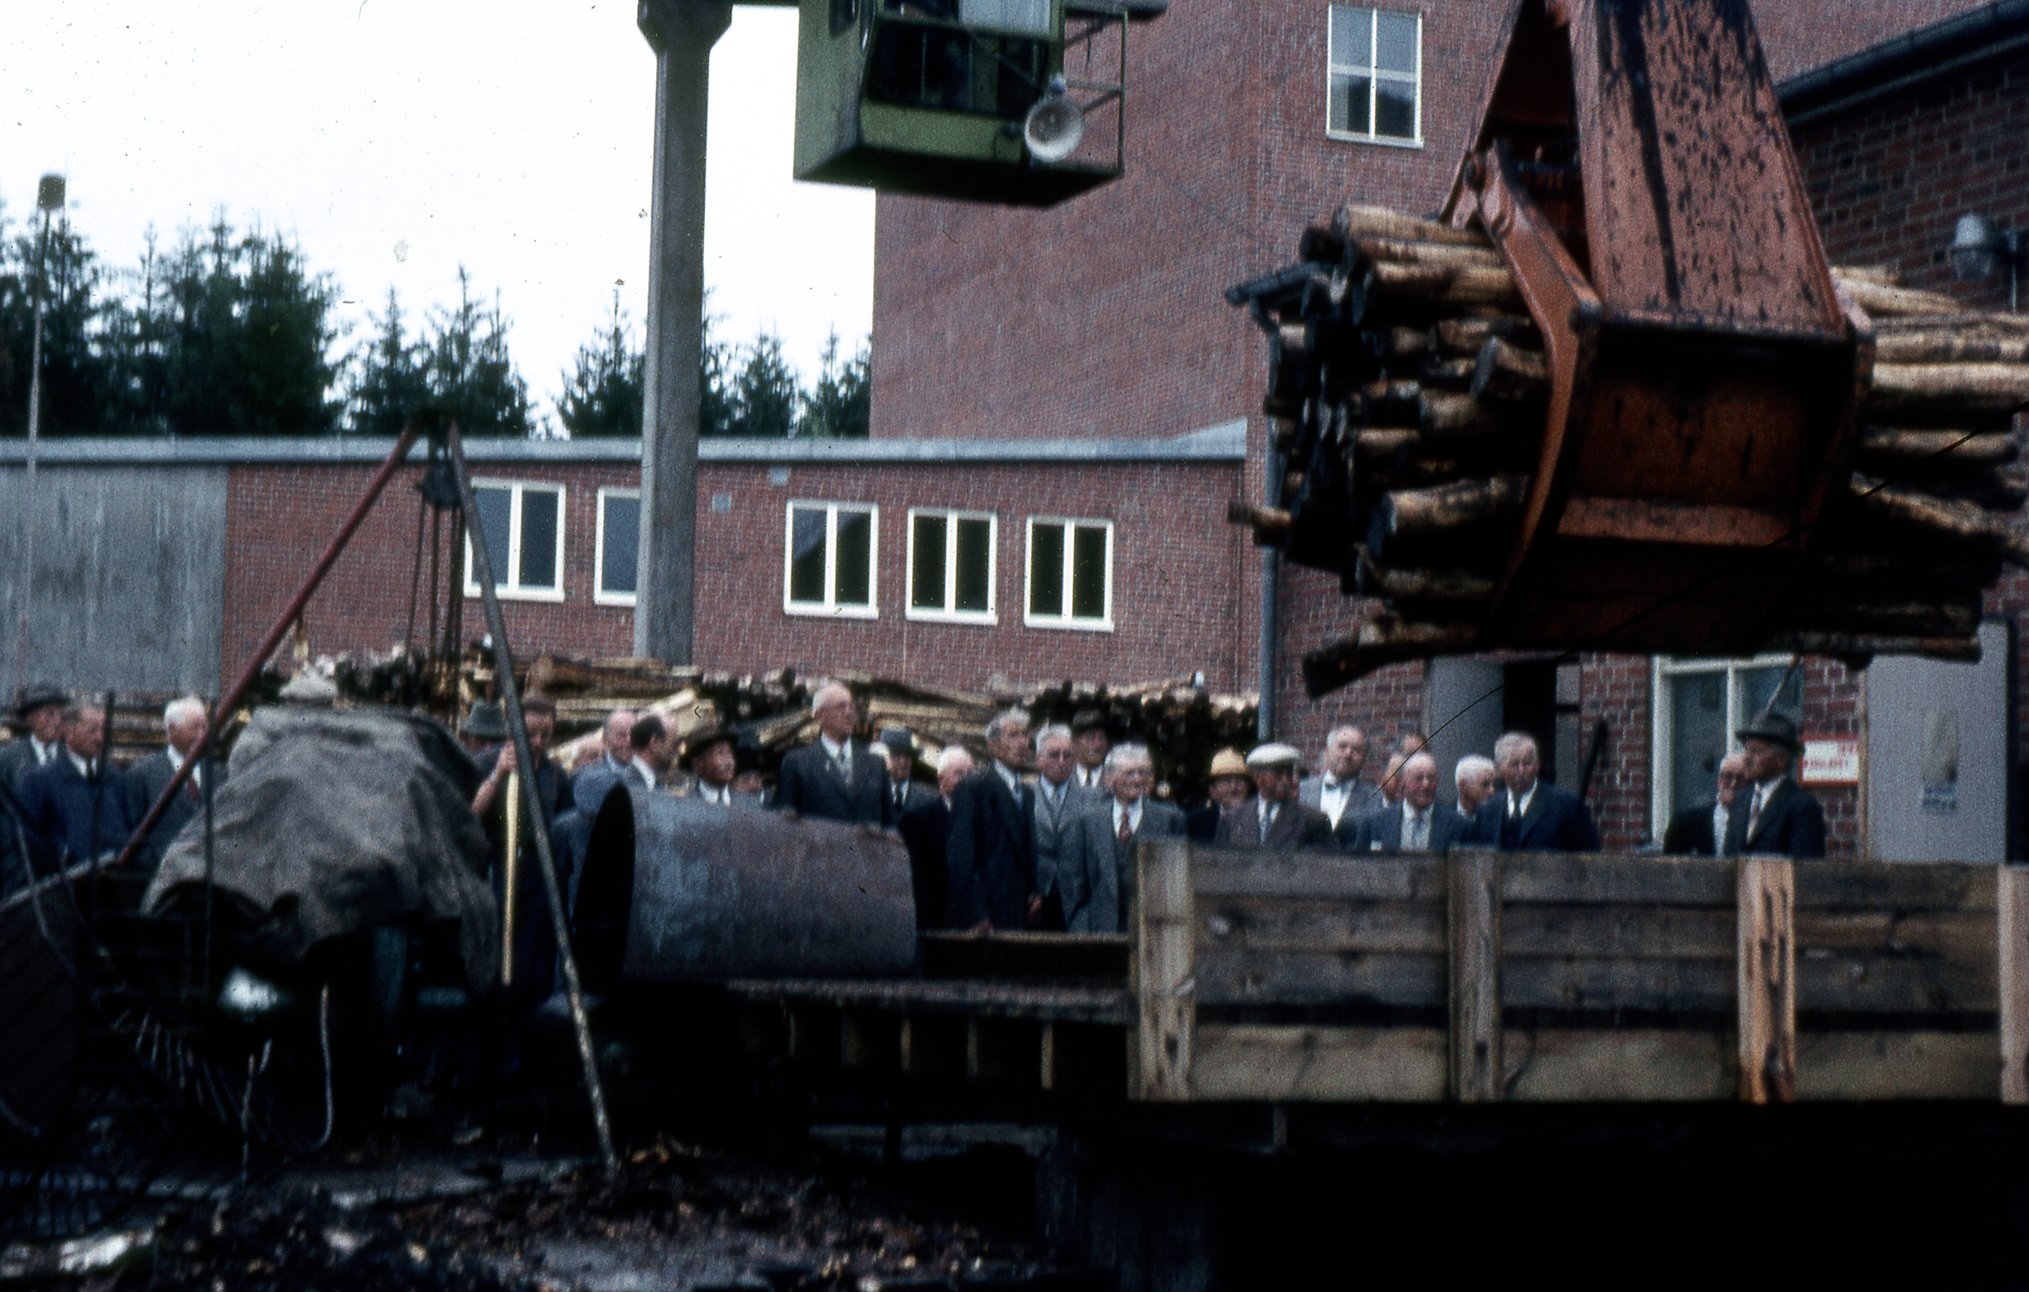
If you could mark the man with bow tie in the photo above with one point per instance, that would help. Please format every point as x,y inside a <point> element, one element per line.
<point>1338,791</point>
<point>834,777</point>
<point>182,723</point>
<point>1772,814</point>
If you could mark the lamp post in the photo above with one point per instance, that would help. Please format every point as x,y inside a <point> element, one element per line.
<point>48,199</point>
<point>1980,248</point>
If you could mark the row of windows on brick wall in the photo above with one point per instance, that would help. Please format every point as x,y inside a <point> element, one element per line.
<point>831,554</point>
<point>524,527</point>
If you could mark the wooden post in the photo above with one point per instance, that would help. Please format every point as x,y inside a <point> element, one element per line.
<point>2014,983</point>
<point>1767,975</point>
<point>1164,984</point>
<point>1473,902</point>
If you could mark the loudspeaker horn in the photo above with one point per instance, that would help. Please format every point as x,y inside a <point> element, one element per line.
<point>1054,127</point>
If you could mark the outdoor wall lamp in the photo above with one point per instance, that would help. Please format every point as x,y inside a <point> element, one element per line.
<point>1979,249</point>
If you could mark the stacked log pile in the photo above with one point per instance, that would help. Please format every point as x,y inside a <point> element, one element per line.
<point>1406,401</point>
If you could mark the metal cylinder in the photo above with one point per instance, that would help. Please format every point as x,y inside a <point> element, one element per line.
<point>677,890</point>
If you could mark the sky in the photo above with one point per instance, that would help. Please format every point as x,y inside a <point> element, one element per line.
<point>394,140</point>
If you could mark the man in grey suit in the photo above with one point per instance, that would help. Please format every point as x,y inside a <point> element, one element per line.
<point>40,713</point>
<point>1097,873</point>
<point>1416,824</point>
<point>182,723</point>
<point>1059,800</point>
<point>1278,820</point>
<point>1338,791</point>
<point>835,776</point>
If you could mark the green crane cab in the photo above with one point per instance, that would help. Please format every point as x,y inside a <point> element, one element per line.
<point>1013,101</point>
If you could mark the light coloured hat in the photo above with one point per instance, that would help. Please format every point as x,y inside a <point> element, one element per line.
<point>1227,762</point>
<point>1273,754</point>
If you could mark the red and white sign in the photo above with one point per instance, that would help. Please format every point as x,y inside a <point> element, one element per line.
<point>1831,760</point>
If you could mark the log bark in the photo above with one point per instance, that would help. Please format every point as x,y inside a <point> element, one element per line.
<point>1955,523</point>
<point>1404,342</point>
<point>1448,374</point>
<point>1508,374</point>
<point>1270,524</point>
<point>1944,345</point>
<point>1885,299</point>
<point>1419,251</point>
<point>1857,648</point>
<point>1440,287</point>
<point>1359,222</point>
<point>1419,515</point>
<point>1465,336</point>
<point>1983,447</point>
<point>1948,387</point>
<point>1415,584</point>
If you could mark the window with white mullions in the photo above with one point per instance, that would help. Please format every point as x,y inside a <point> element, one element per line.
<point>951,565</point>
<point>1070,574</point>
<point>619,551</point>
<point>1698,705</point>
<point>523,523</point>
<point>1374,82</point>
<point>828,561</point>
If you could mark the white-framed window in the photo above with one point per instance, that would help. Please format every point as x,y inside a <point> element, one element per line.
<point>828,559</point>
<point>951,565</point>
<point>1698,704</point>
<point>523,522</point>
<point>1070,574</point>
<point>619,547</point>
<point>1374,86</point>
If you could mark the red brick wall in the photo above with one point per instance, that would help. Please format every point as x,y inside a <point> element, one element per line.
<point>1176,576</point>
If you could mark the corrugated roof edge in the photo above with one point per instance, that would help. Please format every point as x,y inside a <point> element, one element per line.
<point>1224,442</point>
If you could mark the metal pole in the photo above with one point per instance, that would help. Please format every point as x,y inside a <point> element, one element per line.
<point>27,586</point>
<point>288,616</point>
<point>546,863</point>
<point>682,33</point>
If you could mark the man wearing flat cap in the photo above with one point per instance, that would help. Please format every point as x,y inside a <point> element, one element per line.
<point>1773,815</point>
<point>40,713</point>
<point>1278,819</point>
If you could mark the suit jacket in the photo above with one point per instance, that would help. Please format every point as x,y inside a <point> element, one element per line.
<point>1296,826</point>
<point>1364,802</point>
<point>1690,831</point>
<point>1053,829</point>
<point>913,793</point>
<point>1202,823</point>
<point>1095,860</point>
<point>1382,832</point>
<point>991,857</point>
<point>17,757</point>
<point>1792,823</point>
<point>72,816</point>
<point>809,784</point>
<point>591,785</point>
<point>145,782</point>
<point>1557,821</point>
<point>925,828</point>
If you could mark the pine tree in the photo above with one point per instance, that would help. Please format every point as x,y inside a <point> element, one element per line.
<point>390,381</point>
<point>471,375</point>
<point>765,393</point>
<point>839,405</point>
<point>603,397</point>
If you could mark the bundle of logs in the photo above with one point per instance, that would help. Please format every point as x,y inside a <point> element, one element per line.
<point>1406,401</point>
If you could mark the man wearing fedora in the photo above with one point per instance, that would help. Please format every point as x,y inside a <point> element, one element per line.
<point>40,714</point>
<point>1773,814</point>
<point>1227,788</point>
<point>1090,737</point>
<point>712,757</point>
<point>898,746</point>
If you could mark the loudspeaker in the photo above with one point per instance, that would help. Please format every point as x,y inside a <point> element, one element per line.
<point>1054,127</point>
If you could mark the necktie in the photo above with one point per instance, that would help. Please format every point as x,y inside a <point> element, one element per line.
<point>1126,833</point>
<point>843,763</point>
<point>190,790</point>
<point>901,791</point>
<point>1754,814</point>
<point>1267,821</point>
<point>1419,832</point>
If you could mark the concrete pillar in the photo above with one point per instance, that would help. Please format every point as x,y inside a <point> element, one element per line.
<point>682,33</point>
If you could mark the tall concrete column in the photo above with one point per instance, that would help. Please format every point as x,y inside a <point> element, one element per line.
<point>682,33</point>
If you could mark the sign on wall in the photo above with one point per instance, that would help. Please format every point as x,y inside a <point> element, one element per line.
<point>1830,760</point>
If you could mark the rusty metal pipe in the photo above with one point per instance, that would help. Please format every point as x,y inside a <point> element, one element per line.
<point>289,615</point>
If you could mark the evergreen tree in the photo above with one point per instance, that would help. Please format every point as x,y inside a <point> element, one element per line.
<point>714,396</point>
<point>73,377</point>
<point>390,381</point>
<point>765,394</point>
<point>839,405</point>
<point>471,375</point>
<point>603,397</point>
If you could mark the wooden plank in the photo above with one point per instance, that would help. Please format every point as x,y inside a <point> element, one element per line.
<point>1949,935</point>
<point>1629,932</point>
<point>1870,982</point>
<point>1767,974</point>
<point>1474,922</point>
<point>1163,981</point>
<point>1312,924</point>
<point>1896,1065</point>
<point>1601,984</point>
<point>2012,935</point>
<point>1644,881</point>
<point>1234,977</point>
<point>1046,1066</point>
<point>1319,1063</point>
<point>1879,885</point>
<point>1553,1065</point>
<point>1340,877</point>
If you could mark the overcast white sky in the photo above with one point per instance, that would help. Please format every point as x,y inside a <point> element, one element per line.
<point>395,139</point>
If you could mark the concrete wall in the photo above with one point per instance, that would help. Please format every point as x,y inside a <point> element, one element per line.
<point>128,578</point>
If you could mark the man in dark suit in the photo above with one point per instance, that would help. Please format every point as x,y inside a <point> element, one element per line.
<point>898,746</point>
<point>834,777</point>
<point>1097,873</point>
<point>1059,800</point>
<point>992,854</point>
<point>1338,791</point>
<point>1227,787</point>
<point>75,804</point>
<point>1528,814</point>
<point>1416,824</point>
<point>1773,814</point>
<point>182,724</point>
<point>40,716</point>
<point>1278,820</point>
<point>1698,831</point>
<point>926,832</point>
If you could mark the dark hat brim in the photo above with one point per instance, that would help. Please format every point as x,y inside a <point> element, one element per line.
<point>40,697</point>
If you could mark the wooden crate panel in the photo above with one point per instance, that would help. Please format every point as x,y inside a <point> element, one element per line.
<point>1325,876</point>
<point>1580,1064</point>
<point>1318,1063</point>
<point>1315,924</point>
<point>1637,882</point>
<point>1637,933</point>
<point>1883,886</point>
<point>1858,982</point>
<point>1681,985</point>
<point>1898,1065</point>
<point>1308,978</point>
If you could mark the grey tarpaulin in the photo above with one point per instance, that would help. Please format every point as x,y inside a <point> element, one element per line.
<point>336,821</point>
